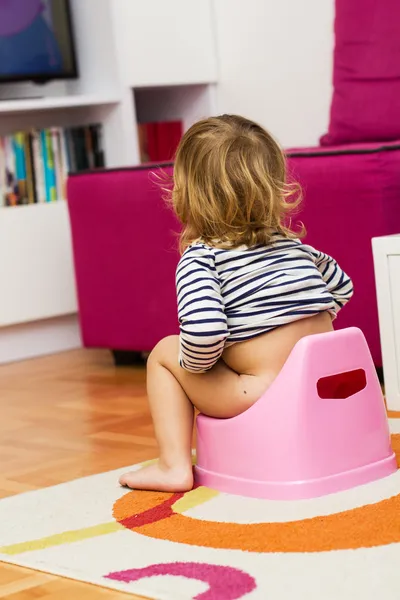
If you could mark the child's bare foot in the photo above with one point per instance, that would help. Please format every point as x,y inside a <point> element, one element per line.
<point>159,478</point>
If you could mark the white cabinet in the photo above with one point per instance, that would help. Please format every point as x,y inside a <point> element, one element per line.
<point>36,269</point>
<point>168,42</point>
<point>387,275</point>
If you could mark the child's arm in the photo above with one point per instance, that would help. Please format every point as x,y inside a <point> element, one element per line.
<point>337,282</point>
<point>202,320</point>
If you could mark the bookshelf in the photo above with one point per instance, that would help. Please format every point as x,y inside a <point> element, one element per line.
<point>122,83</point>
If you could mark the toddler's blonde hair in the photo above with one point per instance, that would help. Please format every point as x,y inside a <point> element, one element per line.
<point>230,184</point>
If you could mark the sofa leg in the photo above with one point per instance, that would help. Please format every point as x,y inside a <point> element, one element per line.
<point>128,358</point>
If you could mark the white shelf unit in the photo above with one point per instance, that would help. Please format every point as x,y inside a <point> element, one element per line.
<point>73,112</point>
<point>140,61</point>
<point>36,270</point>
<point>21,105</point>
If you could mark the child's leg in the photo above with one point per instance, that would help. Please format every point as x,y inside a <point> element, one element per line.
<point>220,392</point>
<point>172,414</point>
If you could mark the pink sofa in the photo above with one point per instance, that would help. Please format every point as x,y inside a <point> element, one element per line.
<point>125,245</point>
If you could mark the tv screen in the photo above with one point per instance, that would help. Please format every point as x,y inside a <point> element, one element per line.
<point>36,40</point>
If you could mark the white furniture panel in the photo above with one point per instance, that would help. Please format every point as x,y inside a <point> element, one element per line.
<point>21,342</point>
<point>164,42</point>
<point>387,275</point>
<point>36,269</point>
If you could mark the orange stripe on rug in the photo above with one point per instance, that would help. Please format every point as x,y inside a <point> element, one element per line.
<point>67,537</point>
<point>394,414</point>
<point>372,525</point>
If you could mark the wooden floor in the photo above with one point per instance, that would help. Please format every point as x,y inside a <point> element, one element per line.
<point>64,417</point>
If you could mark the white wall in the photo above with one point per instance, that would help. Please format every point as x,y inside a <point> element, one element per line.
<point>275,64</point>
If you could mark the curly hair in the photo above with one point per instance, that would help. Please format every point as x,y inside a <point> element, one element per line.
<point>230,185</point>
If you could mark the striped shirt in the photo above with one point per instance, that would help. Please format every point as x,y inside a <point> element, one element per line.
<point>228,296</point>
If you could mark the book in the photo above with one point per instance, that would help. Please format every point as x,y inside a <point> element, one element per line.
<point>2,173</point>
<point>169,134</point>
<point>143,143</point>
<point>158,141</point>
<point>79,146</point>
<point>70,151</point>
<point>20,187</point>
<point>30,175</point>
<point>89,147</point>
<point>64,160</point>
<point>55,139</point>
<point>38,166</point>
<point>11,196</point>
<point>97,137</point>
<point>152,142</point>
<point>50,167</point>
<point>46,174</point>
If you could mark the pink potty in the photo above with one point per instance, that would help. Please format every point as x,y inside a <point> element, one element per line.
<point>320,428</point>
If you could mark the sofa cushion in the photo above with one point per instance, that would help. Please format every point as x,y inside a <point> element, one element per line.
<point>366,99</point>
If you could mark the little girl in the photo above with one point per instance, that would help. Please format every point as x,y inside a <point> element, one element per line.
<point>248,290</point>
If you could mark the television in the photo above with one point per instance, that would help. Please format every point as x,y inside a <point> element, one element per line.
<point>36,41</point>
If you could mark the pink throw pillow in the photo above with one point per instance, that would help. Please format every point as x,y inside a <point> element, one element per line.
<point>366,99</point>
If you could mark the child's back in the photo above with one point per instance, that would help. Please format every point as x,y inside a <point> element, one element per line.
<point>235,295</point>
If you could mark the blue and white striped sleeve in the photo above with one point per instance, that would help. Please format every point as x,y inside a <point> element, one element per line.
<point>202,320</point>
<point>337,282</point>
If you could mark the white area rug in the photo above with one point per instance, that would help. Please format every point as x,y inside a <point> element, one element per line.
<point>211,546</point>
